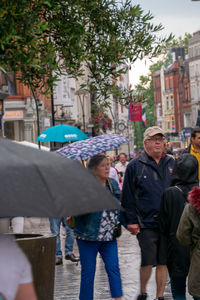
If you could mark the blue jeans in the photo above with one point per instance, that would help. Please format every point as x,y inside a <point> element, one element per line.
<point>88,251</point>
<point>178,288</point>
<point>69,241</point>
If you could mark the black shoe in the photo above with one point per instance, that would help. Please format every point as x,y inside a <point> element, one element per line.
<point>142,296</point>
<point>160,298</point>
<point>72,257</point>
<point>59,261</point>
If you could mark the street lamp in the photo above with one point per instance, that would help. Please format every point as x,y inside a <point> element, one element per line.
<point>3,92</point>
<point>37,112</point>
<point>79,93</point>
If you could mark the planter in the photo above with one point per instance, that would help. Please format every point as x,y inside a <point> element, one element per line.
<point>41,252</point>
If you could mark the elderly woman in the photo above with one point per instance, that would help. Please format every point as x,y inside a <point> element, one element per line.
<point>95,233</point>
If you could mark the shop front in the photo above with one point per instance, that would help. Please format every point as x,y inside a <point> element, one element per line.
<point>13,124</point>
<point>18,120</point>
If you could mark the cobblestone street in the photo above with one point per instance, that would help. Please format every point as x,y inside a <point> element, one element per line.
<point>67,276</point>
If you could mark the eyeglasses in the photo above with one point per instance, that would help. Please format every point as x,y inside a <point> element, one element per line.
<point>156,139</point>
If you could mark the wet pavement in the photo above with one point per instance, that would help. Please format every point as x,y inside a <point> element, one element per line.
<point>67,276</point>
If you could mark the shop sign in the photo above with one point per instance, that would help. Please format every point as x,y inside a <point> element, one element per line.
<point>13,115</point>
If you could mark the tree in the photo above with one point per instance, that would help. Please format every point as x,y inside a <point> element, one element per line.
<point>42,39</point>
<point>180,41</point>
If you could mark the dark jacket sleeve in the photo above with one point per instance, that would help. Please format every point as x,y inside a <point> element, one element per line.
<point>128,194</point>
<point>163,215</point>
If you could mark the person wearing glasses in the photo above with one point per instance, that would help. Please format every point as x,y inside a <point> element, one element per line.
<point>146,178</point>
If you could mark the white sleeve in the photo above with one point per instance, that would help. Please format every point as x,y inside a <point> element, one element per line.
<point>113,174</point>
<point>25,269</point>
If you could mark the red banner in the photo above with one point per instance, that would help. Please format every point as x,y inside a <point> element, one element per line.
<point>135,113</point>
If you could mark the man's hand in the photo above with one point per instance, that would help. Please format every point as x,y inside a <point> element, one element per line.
<point>134,228</point>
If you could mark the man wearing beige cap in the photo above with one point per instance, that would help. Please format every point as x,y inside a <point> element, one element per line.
<point>146,178</point>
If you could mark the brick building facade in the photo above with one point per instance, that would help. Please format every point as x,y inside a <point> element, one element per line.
<point>19,120</point>
<point>172,99</point>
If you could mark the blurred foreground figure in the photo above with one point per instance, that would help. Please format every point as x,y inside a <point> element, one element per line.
<point>184,178</point>
<point>16,282</point>
<point>188,234</point>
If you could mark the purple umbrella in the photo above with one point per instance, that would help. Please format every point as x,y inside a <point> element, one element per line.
<point>82,150</point>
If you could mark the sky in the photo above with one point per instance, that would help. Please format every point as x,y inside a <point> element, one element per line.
<point>177,17</point>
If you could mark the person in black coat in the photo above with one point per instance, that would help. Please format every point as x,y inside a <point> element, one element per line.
<point>184,177</point>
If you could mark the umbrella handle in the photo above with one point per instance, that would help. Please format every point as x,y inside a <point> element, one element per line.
<point>83,163</point>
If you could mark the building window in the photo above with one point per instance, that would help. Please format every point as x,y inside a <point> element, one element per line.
<point>167,104</point>
<point>192,71</point>
<point>192,91</point>
<point>122,108</point>
<point>187,120</point>
<point>171,83</point>
<point>166,84</point>
<point>196,70</point>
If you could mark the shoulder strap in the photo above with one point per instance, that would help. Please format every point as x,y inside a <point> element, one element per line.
<point>178,187</point>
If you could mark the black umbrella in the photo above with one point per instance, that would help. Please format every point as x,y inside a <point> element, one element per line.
<point>41,184</point>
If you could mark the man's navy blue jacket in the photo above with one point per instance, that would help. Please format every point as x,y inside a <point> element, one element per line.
<point>143,186</point>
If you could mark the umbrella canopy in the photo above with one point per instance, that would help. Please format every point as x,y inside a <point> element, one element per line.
<point>43,184</point>
<point>84,149</point>
<point>62,134</point>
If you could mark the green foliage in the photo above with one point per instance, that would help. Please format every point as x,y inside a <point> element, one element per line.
<point>100,118</point>
<point>180,42</point>
<point>42,39</point>
<point>138,135</point>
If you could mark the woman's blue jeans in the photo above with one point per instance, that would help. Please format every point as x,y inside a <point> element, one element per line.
<point>88,251</point>
<point>69,240</point>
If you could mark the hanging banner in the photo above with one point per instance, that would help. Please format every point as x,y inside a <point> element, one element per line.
<point>135,112</point>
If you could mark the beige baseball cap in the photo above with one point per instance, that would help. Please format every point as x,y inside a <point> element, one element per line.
<point>151,131</point>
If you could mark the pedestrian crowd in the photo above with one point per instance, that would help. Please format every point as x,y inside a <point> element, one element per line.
<point>160,198</point>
